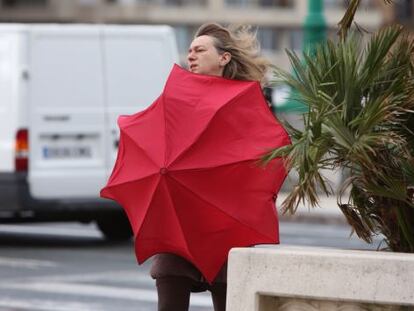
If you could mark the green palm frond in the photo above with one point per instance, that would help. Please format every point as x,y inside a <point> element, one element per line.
<point>360,101</point>
<point>346,21</point>
<point>348,18</point>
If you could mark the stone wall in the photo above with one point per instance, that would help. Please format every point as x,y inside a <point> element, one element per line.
<point>287,278</point>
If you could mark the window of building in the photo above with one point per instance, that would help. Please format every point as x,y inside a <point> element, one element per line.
<point>181,2</point>
<point>184,35</point>
<point>276,3</point>
<point>181,35</point>
<point>125,2</point>
<point>343,4</point>
<point>178,3</point>
<point>296,39</point>
<point>268,38</point>
<point>238,3</point>
<point>333,4</point>
<point>260,3</point>
<point>23,3</point>
<point>404,10</point>
<point>89,3</point>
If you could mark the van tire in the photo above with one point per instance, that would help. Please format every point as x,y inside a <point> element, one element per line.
<point>115,227</point>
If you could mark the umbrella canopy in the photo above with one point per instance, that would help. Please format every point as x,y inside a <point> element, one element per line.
<point>187,172</point>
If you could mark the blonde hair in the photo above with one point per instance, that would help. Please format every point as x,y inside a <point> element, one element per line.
<point>241,42</point>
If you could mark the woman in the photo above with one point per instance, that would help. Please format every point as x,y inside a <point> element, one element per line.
<point>233,54</point>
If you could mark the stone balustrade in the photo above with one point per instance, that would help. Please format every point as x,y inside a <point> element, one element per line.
<point>287,278</point>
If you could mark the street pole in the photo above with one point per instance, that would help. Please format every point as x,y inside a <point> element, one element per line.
<point>314,27</point>
<point>314,32</point>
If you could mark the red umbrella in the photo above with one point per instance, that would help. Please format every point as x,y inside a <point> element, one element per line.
<point>187,172</point>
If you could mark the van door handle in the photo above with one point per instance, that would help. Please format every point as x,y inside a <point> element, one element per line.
<point>116,143</point>
<point>69,136</point>
<point>56,118</point>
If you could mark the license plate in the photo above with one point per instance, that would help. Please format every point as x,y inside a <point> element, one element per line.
<point>67,152</point>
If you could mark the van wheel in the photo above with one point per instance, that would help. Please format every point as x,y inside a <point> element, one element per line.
<point>115,227</point>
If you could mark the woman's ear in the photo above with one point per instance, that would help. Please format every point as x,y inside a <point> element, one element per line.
<point>225,59</point>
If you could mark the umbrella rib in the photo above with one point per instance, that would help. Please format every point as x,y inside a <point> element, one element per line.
<point>181,154</point>
<point>146,212</point>
<point>218,208</point>
<point>178,219</point>
<point>253,160</point>
<point>165,131</point>
<point>130,181</point>
<point>143,150</point>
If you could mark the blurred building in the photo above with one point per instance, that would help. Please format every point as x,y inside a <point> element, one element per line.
<point>279,21</point>
<point>402,12</point>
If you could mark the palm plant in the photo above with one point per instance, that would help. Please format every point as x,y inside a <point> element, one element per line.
<point>360,100</point>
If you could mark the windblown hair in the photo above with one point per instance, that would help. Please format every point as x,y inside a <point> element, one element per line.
<point>242,44</point>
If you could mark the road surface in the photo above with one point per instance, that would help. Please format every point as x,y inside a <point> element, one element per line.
<point>68,267</point>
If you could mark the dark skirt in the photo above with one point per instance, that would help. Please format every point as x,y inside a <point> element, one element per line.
<point>165,265</point>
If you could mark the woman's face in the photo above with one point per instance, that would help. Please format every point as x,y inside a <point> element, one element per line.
<point>204,58</point>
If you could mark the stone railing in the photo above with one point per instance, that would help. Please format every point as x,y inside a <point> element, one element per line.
<point>283,278</point>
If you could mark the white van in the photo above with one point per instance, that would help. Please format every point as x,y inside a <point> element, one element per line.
<point>62,88</point>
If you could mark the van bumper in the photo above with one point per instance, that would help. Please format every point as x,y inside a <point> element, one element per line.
<point>17,204</point>
<point>9,192</point>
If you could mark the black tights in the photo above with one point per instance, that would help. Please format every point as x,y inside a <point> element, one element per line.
<point>174,294</point>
